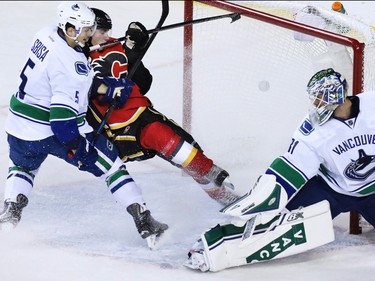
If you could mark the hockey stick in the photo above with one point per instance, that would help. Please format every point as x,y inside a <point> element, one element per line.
<point>164,14</point>
<point>233,16</point>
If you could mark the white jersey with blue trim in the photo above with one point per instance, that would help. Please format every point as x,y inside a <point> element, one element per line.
<point>54,73</point>
<point>342,152</point>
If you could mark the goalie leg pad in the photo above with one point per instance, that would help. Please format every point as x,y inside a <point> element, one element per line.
<point>226,246</point>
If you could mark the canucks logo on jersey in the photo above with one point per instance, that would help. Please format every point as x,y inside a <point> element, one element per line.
<point>82,68</point>
<point>361,168</point>
<point>306,127</point>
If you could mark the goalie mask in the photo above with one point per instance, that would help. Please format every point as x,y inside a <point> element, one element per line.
<point>326,92</point>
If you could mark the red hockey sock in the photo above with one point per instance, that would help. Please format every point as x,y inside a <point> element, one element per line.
<point>161,138</point>
<point>199,165</point>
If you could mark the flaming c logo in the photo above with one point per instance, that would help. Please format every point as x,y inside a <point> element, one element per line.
<point>113,64</point>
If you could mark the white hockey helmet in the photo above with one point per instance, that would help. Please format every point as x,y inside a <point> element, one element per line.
<point>77,14</point>
<point>326,90</point>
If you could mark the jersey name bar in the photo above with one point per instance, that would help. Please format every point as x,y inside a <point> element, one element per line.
<point>354,142</point>
<point>39,50</point>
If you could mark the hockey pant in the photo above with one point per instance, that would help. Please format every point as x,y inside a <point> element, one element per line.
<point>27,156</point>
<point>316,190</point>
<point>152,134</point>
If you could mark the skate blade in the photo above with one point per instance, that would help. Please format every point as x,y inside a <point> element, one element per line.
<point>151,241</point>
<point>7,227</point>
<point>228,184</point>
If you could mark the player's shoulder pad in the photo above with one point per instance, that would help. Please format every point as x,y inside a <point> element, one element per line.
<point>306,127</point>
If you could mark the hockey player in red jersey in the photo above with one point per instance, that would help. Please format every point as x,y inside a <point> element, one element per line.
<point>138,130</point>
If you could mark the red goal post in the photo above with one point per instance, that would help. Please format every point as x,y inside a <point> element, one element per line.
<point>354,38</point>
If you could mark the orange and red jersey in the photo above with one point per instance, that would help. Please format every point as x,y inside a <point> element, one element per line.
<point>112,61</point>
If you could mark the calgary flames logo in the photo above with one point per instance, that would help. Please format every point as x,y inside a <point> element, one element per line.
<point>113,64</point>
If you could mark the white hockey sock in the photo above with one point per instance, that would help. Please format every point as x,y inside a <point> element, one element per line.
<point>18,181</point>
<point>124,189</point>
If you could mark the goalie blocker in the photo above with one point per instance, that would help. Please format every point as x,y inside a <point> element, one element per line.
<point>228,245</point>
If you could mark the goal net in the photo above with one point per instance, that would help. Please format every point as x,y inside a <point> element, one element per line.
<point>245,82</point>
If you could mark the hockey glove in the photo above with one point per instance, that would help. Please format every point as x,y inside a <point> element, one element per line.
<point>118,90</point>
<point>136,36</point>
<point>85,155</point>
<point>86,50</point>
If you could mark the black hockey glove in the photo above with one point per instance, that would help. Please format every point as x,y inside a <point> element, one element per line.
<point>118,90</point>
<point>136,36</point>
<point>86,50</point>
<point>84,155</point>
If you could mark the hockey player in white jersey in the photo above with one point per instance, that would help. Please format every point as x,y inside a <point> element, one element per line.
<point>47,117</point>
<point>331,158</point>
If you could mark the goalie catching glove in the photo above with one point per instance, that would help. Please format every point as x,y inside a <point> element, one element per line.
<point>118,91</point>
<point>136,36</point>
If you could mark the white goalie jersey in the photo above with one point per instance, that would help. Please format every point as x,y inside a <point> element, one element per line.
<point>342,152</point>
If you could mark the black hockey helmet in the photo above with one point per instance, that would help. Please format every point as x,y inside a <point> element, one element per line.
<point>103,21</point>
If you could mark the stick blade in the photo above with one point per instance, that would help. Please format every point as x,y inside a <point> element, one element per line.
<point>235,17</point>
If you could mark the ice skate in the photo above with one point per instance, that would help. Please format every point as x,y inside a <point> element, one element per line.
<point>223,190</point>
<point>11,214</point>
<point>147,226</point>
<point>219,177</point>
<point>196,258</point>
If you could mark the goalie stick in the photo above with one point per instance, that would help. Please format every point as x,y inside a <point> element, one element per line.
<point>229,245</point>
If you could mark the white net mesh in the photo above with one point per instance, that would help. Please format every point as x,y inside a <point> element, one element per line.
<point>249,81</point>
<point>328,20</point>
